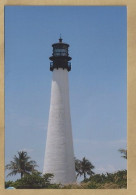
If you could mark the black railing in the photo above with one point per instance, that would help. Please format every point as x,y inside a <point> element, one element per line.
<point>69,66</point>
<point>51,66</point>
<point>64,66</point>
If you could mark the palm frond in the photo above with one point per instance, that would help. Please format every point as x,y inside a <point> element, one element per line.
<point>123,151</point>
<point>21,164</point>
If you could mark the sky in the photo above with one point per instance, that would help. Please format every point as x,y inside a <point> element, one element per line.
<point>98,80</point>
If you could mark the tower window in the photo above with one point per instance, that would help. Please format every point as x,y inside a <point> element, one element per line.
<point>60,52</point>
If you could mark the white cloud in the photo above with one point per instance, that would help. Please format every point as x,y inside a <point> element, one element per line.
<point>96,142</point>
<point>103,169</point>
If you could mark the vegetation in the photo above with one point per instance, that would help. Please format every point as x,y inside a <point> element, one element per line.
<point>108,180</point>
<point>36,180</point>
<point>21,164</point>
<point>116,180</point>
<point>83,167</point>
<point>124,152</point>
<point>32,179</point>
<point>8,184</point>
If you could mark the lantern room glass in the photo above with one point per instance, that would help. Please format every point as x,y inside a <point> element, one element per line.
<point>60,50</point>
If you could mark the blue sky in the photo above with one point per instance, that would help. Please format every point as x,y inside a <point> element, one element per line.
<point>98,80</point>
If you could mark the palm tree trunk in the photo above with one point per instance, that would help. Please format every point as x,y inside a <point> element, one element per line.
<point>84,175</point>
<point>21,175</point>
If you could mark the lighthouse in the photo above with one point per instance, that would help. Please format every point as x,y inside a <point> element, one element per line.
<point>59,153</point>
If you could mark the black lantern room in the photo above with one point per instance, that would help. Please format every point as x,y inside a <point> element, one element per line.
<point>60,57</point>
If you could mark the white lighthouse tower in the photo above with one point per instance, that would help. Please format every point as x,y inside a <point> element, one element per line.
<point>59,154</point>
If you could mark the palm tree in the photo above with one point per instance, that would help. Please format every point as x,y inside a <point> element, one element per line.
<point>77,167</point>
<point>83,167</point>
<point>124,152</point>
<point>86,168</point>
<point>21,164</point>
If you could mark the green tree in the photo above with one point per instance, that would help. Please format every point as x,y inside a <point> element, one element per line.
<point>8,184</point>
<point>107,181</point>
<point>86,168</point>
<point>83,167</point>
<point>35,181</point>
<point>21,164</point>
<point>96,178</point>
<point>124,152</point>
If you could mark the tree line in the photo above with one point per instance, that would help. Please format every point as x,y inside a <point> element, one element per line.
<point>30,178</point>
